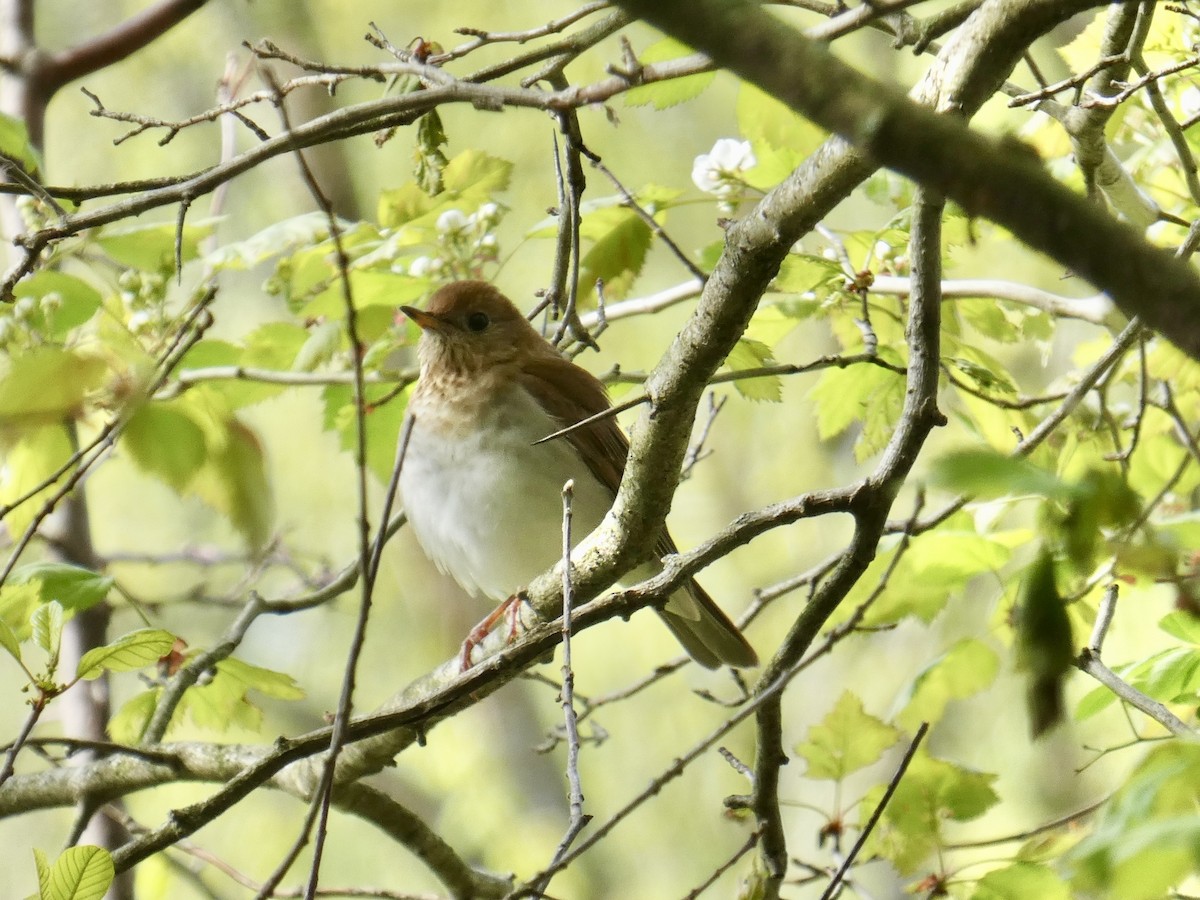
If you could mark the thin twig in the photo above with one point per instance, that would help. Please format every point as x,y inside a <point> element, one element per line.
<point>832,889</point>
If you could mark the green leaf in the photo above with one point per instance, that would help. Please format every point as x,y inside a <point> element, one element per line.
<point>151,247</point>
<point>1021,881</point>
<point>36,455</point>
<point>17,603</point>
<point>475,175</point>
<point>128,725</point>
<point>749,353</point>
<point>369,288</point>
<point>78,300</point>
<point>931,791</point>
<point>46,625</point>
<point>225,701</point>
<point>1148,837</point>
<point>966,668</point>
<point>75,587</point>
<point>618,252</point>
<point>846,740</point>
<point>266,681</point>
<point>1183,625</point>
<point>800,273</point>
<point>781,138</point>
<point>664,94</point>
<point>865,394</point>
<point>383,423</point>
<point>43,871</point>
<point>127,653</point>
<point>9,640</point>
<point>80,873</point>
<point>274,240</point>
<point>15,144</point>
<point>233,480</point>
<point>166,442</point>
<point>988,474</point>
<point>46,385</point>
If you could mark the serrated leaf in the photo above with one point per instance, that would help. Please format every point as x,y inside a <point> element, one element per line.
<point>80,873</point>
<point>966,668</point>
<point>75,587</point>
<point>127,653</point>
<point>665,94</point>
<point>166,442</point>
<point>266,681</point>
<point>846,740</point>
<point>46,385</point>
<point>865,394</point>
<point>620,241</point>
<point>931,791</point>
<point>128,725</point>
<point>803,272</point>
<point>749,353</point>
<point>46,625</point>
<point>224,702</point>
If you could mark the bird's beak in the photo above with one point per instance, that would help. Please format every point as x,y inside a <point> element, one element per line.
<point>425,321</point>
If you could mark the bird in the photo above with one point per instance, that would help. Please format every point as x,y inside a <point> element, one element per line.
<point>481,488</point>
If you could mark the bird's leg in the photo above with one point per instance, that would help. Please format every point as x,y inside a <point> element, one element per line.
<point>511,607</point>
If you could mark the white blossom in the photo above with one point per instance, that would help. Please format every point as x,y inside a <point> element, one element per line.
<point>452,221</point>
<point>420,267</point>
<point>719,171</point>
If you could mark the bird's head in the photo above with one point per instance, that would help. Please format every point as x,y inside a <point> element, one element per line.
<point>469,326</point>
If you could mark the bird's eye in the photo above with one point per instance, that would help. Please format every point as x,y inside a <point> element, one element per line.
<point>477,321</point>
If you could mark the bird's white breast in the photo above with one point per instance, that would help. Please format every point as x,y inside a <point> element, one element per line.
<point>484,502</point>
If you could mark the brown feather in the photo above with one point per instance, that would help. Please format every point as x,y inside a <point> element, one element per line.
<point>571,394</point>
<point>460,349</point>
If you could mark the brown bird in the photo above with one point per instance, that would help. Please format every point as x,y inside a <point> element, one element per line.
<point>484,498</point>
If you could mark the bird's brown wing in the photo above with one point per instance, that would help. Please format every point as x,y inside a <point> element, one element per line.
<point>571,394</point>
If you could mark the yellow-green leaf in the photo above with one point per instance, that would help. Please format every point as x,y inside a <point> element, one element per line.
<point>129,723</point>
<point>166,442</point>
<point>36,455</point>
<point>965,669</point>
<point>46,385</point>
<point>152,247</point>
<point>127,653</point>
<point>664,94</point>
<point>80,873</point>
<point>846,740</point>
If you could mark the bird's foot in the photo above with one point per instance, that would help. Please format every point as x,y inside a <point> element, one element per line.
<point>510,607</point>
